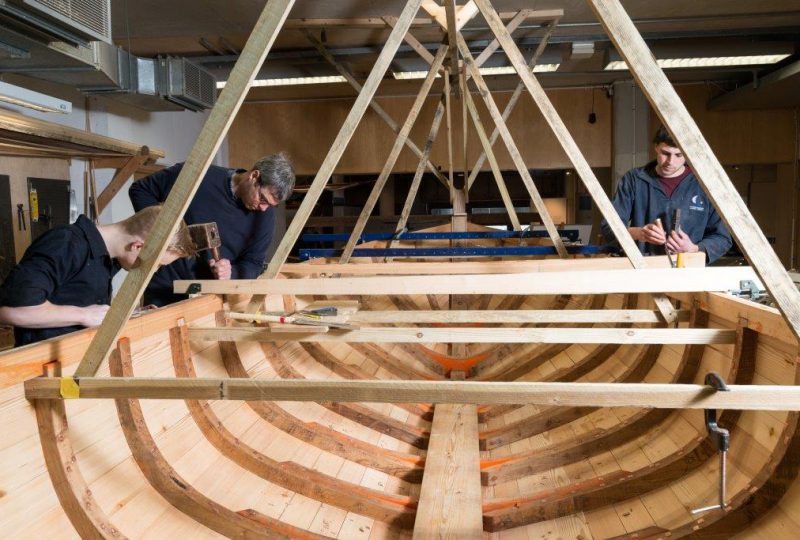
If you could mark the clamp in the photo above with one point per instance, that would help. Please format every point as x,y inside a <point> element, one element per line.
<point>749,290</point>
<point>720,438</point>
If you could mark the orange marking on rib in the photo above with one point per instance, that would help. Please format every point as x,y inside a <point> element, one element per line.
<point>450,363</point>
<point>557,493</point>
<point>457,325</point>
<point>489,463</point>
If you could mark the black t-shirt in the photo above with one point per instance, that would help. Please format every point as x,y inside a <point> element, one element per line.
<point>66,266</point>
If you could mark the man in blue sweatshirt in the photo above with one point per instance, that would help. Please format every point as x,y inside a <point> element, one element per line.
<point>655,191</point>
<point>240,201</point>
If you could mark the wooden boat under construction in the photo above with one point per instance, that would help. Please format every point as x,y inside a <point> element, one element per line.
<point>370,462</point>
<point>575,397</point>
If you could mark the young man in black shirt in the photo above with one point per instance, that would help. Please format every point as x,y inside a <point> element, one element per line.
<point>63,282</point>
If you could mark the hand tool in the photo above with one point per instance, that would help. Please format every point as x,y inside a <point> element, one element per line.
<point>669,255</point>
<point>721,439</point>
<point>676,226</point>
<point>288,319</point>
<point>206,236</point>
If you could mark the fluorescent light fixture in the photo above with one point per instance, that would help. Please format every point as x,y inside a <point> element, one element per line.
<point>714,61</point>
<point>502,70</point>
<point>292,81</point>
<point>16,95</point>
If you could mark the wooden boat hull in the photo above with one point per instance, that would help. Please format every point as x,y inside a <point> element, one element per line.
<point>349,470</point>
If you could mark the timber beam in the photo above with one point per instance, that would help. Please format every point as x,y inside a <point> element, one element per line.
<point>649,396</point>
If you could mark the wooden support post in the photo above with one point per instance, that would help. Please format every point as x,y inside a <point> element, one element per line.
<point>448,103</point>
<point>339,145</point>
<point>120,177</point>
<point>512,25</point>
<point>562,394</point>
<point>459,224</point>
<point>452,33</point>
<point>450,495</point>
<point>709,171</point>
<point>399,142</point>
<point>498,175</point>
<point>197,163</point>
<point>522,168</point>
<point>380,111</point>
<point>512,102</point>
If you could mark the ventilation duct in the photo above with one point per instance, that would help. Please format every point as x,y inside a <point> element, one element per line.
<point>73,21</point>
<point>186,83</point>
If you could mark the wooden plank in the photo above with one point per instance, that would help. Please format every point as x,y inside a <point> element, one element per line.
<point>377,22</point>
<point>339,145</point>
<point>121,176</point>
<point>498,175</point>
<point>512,25</point>
<point>522,168</point>
<point>323,268</point>
<point>655,396</point>
<point>450,496</point>
<point>73,492</point>
<point>709,171</point>
<point>26,125</point>
<point>627,336</point>
<point>411,41</point>
<point>569,282</point>
<point>380,111</point>
<point>399,143</point>
<point>562,134</point>
<point>452,33</point>
<point>546,316</point>
<point>255,51</point>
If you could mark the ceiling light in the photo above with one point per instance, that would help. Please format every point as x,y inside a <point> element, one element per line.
<point>714,61</point>
<point>292,81</point>
<point>502,70</point>
<point>16,95</point>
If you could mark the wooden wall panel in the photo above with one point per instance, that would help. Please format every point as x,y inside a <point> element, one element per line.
<point>740,137</point>
<point>306,129</point>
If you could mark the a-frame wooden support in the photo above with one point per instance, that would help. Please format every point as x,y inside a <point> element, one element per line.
<point>707,168</point>
<point>255,51</point>
<point>400,141</point>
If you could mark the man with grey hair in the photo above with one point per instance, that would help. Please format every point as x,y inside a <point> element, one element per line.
<point>242,203</point>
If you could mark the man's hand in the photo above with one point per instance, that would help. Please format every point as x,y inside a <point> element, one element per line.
<point>221,268</point>
<point>679,242</point>
<point>650,233</point>
<point>93,315</point>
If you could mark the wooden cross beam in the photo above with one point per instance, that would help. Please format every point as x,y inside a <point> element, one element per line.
<point>255,51</point>
<point>121,176</point>
<point>566,394</point>
<point>655,280</point>
<point>709,171</point>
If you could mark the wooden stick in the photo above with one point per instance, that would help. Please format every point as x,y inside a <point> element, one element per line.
<point>380,111</point>
<point>512,101</point>
<point>626,336</point>
<point>570,282</point>
<point>203,151</point>
<point>498,175</point>
<point>322,268</point>
<point>522,168</point>
<point>339,145</point>
<point>709,171</point>
<point>402,138</point>
<point>545,316</point>
<point>452,32</point>
<point>512,25</point>
<point>658,396</point>
<point>415,183</point>
<point>121,176</point>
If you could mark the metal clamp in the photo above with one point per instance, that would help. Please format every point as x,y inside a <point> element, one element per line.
<point>748,289</point>
<point>720,438</point>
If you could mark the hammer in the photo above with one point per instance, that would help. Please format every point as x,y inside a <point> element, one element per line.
<point>206,236</point>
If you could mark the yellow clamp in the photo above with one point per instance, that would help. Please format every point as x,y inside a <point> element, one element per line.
<point>256,315</point>
<point>679,263</point>
<point>70,388</point>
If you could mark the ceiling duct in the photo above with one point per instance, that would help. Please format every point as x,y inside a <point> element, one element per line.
<point>185,83</point>
<point>73,21</point>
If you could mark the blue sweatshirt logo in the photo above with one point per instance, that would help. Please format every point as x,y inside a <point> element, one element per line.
<point>697,203</point>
